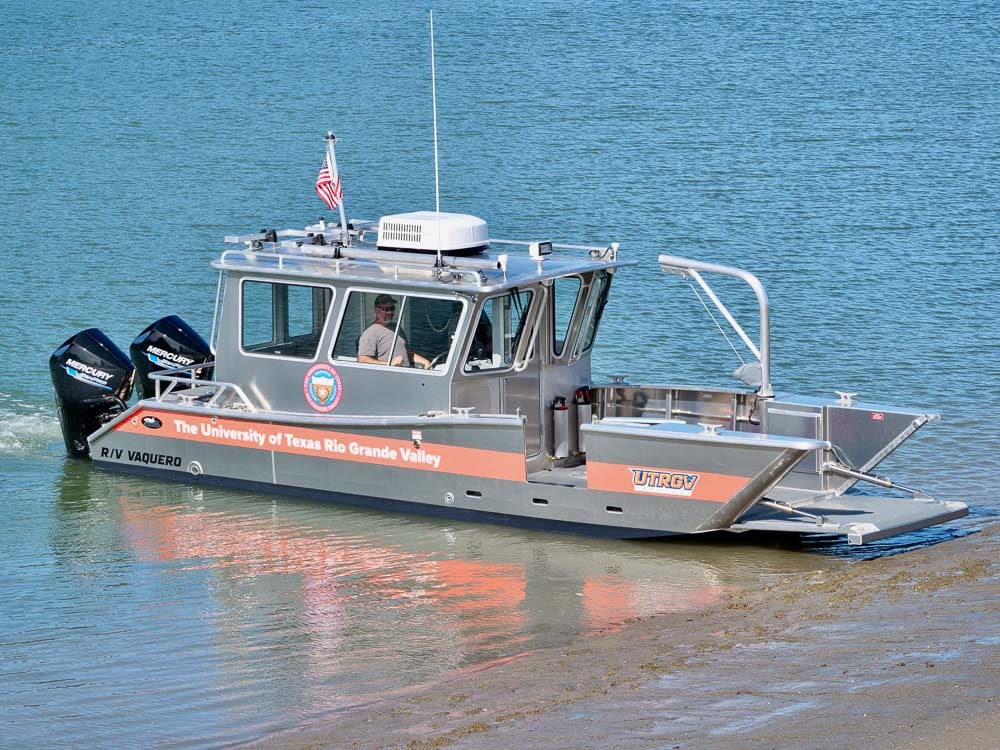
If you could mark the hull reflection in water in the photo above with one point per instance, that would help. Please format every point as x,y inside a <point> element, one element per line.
<point>245,615</point>
<point>472,580</point>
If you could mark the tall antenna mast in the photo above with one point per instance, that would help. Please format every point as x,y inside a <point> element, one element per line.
<point>437,183</point>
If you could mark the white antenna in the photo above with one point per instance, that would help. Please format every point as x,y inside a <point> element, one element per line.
<point>437,184</point>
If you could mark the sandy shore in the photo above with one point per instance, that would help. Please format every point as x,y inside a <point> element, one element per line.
<point>898,652</point>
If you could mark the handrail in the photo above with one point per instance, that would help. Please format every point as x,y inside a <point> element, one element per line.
<point>690,268</point>
<point>186,377</point>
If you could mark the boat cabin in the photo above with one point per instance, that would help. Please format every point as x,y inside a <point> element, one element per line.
<point>388,326</point>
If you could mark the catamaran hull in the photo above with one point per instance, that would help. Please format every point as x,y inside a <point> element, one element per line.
<point>415,507</point>
<point>466,468</point>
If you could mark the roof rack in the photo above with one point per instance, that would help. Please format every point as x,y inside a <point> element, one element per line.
<point>321,249</point>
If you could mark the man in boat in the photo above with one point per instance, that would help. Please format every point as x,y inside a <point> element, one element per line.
<point>380,340</point>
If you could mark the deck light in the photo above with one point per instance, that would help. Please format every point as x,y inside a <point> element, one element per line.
<point>539,249</point>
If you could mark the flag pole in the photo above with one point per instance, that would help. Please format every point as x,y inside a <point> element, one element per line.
<point>331,139</point>
<point>437,185</point>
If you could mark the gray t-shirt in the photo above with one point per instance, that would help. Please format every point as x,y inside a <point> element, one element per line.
<point>376,342</point>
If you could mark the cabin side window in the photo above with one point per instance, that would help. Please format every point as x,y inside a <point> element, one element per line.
<point>498,331</point>
<point>283,320</point>
<point>403,330</point>
<point>565,291</point>
<point>596,301</point>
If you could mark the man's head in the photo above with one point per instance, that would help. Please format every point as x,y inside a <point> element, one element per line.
<point>385,308</point>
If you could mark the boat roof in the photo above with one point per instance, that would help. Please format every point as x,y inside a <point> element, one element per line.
<point>322,252</point>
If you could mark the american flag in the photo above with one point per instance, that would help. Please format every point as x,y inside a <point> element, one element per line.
<point>328,189</point>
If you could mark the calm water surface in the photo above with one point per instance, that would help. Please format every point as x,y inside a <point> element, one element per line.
<point>847,155</point>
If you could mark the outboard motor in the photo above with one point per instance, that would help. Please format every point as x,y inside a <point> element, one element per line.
<point>165,345</point>
<point>92,379</point>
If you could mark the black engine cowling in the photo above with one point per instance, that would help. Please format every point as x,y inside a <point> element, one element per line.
<point>92,379</point>
<point>165,345</point>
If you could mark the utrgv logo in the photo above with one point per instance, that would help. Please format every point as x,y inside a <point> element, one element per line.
<point>664,482</point>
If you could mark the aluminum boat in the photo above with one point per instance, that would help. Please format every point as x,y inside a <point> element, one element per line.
<point>417,364</point>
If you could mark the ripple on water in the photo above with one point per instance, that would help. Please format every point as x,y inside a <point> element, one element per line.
<point>27,429</point>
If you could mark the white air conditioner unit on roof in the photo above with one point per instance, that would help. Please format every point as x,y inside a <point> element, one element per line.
<point>428,232</point>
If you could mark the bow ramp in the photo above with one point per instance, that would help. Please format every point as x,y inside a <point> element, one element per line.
<point>861,518</point>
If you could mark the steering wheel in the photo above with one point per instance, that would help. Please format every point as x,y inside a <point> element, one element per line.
<point>436,360</point>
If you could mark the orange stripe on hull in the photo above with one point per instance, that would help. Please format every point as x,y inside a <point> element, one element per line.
<point>668,483</point>
<point>342,446</point>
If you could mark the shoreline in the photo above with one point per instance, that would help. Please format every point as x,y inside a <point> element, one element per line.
<point>894,652</point>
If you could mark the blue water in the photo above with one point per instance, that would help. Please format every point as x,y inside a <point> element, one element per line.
<point>847,155</point>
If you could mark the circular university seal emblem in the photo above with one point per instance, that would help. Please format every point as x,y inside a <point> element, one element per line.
<point>322,387</point>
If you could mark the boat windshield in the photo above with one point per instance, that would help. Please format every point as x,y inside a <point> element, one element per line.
<point>565,291</point>
<point>592,313</point>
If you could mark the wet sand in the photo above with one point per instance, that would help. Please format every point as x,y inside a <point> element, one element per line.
<point>898,652</point>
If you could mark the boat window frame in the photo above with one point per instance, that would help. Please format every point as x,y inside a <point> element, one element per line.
<point>217,313</point>
<point>572,326</point>
<point>284,280</point>
<point>396,292</point>
<point>600,302</point>
<point>526,345</point>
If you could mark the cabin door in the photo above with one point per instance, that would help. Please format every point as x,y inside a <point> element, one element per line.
<point>520,394</point>
<point>502,366</point>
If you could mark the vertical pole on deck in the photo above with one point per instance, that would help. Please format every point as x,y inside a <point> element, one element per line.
<point>437,185</point>
<point>331,160</point>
